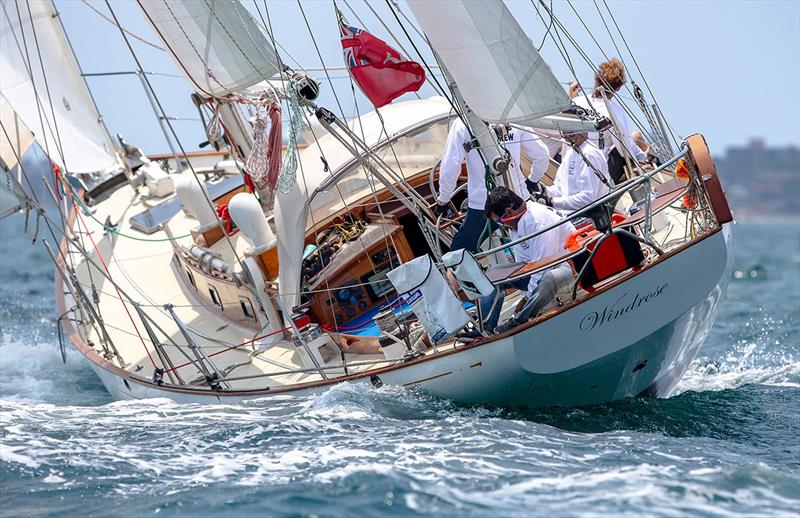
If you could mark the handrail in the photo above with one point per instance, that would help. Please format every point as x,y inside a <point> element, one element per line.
<point>616,193</point>
<point>564,258</point>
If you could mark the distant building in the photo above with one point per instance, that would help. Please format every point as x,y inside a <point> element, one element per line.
<point>761,180</point>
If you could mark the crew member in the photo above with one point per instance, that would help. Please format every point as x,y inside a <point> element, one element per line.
<point>521,219</point>
<point>582,177</point>
<point>608,79</point>
<point>455,153</point>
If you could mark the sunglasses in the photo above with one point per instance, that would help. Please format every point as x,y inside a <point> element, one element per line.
<point>508,217</point>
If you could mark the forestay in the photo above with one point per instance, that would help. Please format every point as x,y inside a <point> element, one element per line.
<point>498,71</point>
<point>216,43</point>
<point>65,123</point>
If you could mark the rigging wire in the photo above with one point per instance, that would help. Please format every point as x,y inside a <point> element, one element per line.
<point>621,142</point>
<point>292,122</point>
<point>322,62</point>
<point>114,229</point>
<point>639,123</point>
<point>42,118</point>
<point>588,60</point>
<point>124,305</point>
<point>547,32</point>
<point>174,133</point>
<point>636,63</point>
<point>268,28</point>
<point>131,34</point>
<point>436,84</point>
<point>386,238</point>
<point>386,27</point>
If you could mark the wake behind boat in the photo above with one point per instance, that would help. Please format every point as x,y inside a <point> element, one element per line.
<point>259,271</point>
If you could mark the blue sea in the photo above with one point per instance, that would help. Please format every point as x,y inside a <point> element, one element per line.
<point>728,444</point>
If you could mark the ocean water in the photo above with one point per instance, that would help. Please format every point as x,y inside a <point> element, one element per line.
<point>727,444</point>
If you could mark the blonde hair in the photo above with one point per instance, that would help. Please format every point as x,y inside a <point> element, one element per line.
<point>611,74</point>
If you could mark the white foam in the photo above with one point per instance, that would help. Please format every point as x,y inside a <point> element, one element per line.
<point>9,454</point>
<point>743,364</point>
<point>33,370</point>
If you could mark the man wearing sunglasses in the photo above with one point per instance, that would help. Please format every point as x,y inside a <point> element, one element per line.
<point>521,219</point>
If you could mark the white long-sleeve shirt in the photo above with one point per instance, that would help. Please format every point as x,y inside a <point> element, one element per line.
<point>616,113</point>
<point>536,218</point>
<point>576,184</point>
<point>455,153</point>
<point>523,139</point>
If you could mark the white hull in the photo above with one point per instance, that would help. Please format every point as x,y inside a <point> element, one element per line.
<point>618,344</point>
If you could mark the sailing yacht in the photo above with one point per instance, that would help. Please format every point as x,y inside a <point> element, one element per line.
<point>261,270</point>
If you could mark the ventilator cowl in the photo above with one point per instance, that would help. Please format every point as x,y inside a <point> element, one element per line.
<point>194,201</point>
<point>249,217</point>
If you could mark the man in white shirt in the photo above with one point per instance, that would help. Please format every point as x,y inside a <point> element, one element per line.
<point>578,181</point>
<point>455,153</point>
<point>521,219</point>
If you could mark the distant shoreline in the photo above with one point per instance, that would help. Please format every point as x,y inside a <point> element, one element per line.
<point>745,216</point>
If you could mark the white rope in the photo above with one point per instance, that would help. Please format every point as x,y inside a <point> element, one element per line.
<point>257,163</point>
<point>297,123</point>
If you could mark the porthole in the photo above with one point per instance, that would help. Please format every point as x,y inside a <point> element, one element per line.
<point>191,279</point>
<point>247,308</point>
<point>215,298</point>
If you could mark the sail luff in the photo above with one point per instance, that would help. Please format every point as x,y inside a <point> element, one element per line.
<point>499,72</point>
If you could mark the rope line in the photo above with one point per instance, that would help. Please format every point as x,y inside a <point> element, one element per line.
<point>124,305</point>
<point>131,34</point>
<point>228,349</point>
<point>113,230</point>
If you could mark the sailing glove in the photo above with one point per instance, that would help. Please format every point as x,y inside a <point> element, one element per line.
<point>543,198</point>
<point>533,187</point>
<point>440,209</point>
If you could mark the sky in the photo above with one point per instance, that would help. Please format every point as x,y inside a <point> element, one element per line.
<point>729,69</point>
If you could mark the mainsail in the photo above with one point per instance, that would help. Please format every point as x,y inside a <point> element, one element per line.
<point>216,43</point>
<point>57,109</point>
<point>499,72</point>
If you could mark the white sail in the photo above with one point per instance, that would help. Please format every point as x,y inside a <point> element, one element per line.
<point>65,122</point>
<point>15,137</point>
<point>499,72</point>
<point>12,196</point>
<point>216,43</point>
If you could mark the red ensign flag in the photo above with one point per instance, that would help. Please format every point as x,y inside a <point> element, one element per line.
<point>381,72</point>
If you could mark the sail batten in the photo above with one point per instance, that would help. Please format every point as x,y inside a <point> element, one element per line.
<point>217,44</point>
<point>499,72</point>
<point>58,110</point>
